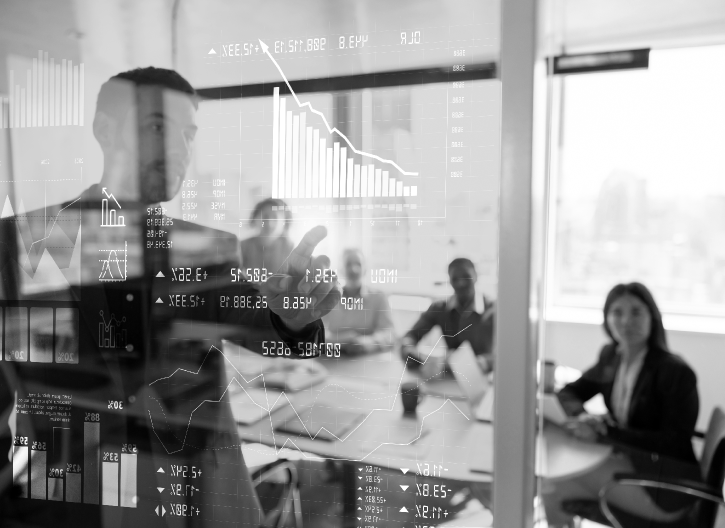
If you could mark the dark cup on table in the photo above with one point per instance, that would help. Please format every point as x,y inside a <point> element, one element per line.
<point>549,377</point>
<point>410,395</point>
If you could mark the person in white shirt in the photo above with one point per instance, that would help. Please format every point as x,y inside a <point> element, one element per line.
<point>362,322</point>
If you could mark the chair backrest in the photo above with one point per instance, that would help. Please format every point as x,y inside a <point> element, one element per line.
<point>712,465</point>
<point>712,462</point>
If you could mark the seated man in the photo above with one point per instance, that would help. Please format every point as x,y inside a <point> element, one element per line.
<point>462,317</point>
<point>361,322</point>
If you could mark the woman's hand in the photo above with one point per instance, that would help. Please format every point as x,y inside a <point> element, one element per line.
<point>586,427</point>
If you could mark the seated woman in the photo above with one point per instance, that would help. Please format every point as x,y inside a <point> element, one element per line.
<point>652,398</point>
<point>361,322</point>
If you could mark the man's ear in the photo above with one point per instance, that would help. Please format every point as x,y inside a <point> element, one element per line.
<point>105,129</point>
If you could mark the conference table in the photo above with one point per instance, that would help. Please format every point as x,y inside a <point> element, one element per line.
<point>441,438</point>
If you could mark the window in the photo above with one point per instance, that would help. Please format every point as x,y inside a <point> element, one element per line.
<point>641,183</point>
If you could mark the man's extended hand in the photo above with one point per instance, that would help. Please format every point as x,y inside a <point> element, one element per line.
<point>305,288</point>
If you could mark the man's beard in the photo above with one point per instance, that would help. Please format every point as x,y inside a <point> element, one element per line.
<point>153,185</point>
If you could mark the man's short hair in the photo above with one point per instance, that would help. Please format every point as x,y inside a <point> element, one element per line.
<point>461,263</point>
<point>113,97</point>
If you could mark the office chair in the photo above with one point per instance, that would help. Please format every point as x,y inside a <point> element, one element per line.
<point>278,488</point>
<point>706,496</point>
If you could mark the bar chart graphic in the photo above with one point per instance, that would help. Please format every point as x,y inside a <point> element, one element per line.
<point>104,475</point>
<point>50,95</point>
<point>110,333</point>
<point>304,165</point>
<point>109,215</point>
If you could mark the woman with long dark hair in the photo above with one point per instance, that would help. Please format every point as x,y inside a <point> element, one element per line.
<point>651,395</point>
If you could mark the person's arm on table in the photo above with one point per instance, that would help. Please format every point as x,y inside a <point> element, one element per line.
<point>680,403</point>
<point>383,334</point>
<point>573,396</point>
<point>422,326</point>
<point>486,360</point>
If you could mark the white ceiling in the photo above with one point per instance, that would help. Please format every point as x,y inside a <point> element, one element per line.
<point>112,35</point>
<point>598,25</point>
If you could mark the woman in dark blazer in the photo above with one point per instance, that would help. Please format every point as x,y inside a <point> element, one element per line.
<point>652,398</point>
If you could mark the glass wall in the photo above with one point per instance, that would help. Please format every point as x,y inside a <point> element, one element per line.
<point>628,408</point>
<point>249,264</point>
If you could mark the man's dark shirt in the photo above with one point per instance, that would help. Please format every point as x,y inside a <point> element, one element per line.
<point>169,360</point>
<point>473,323</point>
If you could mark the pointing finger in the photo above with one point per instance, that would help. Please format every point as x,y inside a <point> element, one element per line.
<point>299,259</point>
<point>318,267</point>
<point>277,283</point>
<point>330,300</point>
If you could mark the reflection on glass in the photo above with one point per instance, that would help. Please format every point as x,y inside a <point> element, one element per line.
<point>182,336</point>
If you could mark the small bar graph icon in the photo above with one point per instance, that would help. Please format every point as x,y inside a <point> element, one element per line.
<point>110,334</point>
<point>52,95</point>
<point>109,215</point>
<point>304,165</point>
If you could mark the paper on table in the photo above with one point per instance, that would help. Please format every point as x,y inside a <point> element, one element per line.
<point>277,372</point>
<point>402,438</point>
<point>484,411</point>
<point>552,409</point>
<point>480,447</point>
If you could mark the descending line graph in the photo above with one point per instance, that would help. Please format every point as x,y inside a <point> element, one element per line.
<point>270,407</point>
<point>109,215</point>
<point>331,130</point>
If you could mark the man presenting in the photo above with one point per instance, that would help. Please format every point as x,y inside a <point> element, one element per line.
<point>157,371</point>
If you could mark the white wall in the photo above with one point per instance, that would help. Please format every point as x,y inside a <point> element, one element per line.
<point>577,345</point>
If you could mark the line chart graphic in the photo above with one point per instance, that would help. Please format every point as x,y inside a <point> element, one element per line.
<point>112,264</point>
<point>271,406</point>
<point>50,231</point>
